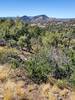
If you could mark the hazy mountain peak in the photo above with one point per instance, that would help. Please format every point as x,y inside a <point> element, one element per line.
<point>35,19</point>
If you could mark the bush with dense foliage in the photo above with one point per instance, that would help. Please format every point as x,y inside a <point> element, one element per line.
<point>10,56</point>
<point>39,67</point>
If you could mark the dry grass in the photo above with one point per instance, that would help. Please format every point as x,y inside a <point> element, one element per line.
<point>9,90</point>
<point>13,89</point>
<point>4,72</point>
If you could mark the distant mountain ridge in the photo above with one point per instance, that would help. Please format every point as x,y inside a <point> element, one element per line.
<point>35,19</point>
<point>42,19</point>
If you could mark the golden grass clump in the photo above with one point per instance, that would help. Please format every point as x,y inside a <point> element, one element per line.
<point>4,72</point>
<point>13,90</point>
<point>9,90</point>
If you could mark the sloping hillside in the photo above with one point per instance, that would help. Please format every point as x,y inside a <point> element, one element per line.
<point>15,86</point>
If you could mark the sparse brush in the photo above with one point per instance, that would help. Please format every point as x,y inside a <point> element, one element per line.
<point>62,84</point>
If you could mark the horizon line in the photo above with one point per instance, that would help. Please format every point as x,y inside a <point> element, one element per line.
<point>37,15</point>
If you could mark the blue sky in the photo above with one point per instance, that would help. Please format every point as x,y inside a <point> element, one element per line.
<point>52,8</point>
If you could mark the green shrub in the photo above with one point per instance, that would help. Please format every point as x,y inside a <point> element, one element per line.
<point>12,43</point>
<point>62,84</point>
<point>61,72</point>
<point>11,57</point>
<point>72,80</point>
<point>39,68</point>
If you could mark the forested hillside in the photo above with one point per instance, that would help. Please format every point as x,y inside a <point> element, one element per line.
<point>37,55</point>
